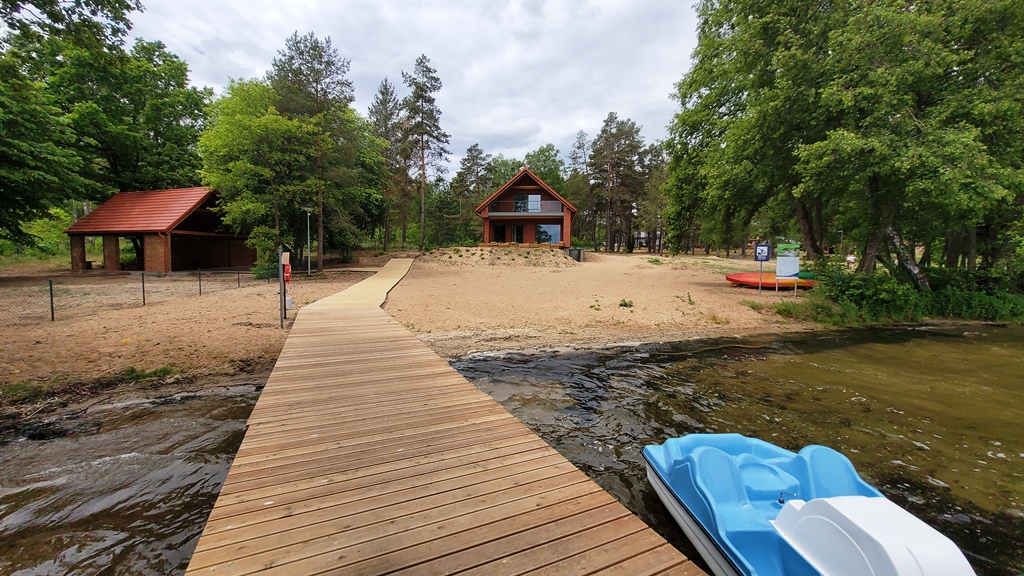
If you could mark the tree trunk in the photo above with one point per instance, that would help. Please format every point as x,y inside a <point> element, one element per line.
<point>877,236</point>
<point>926,256</point>
<point>803,218</point>
<point>953,248</point>
<point>277,225</point>
<point>628,235</point>
<point>387,226</point>
<point>972,247</point>
<point>404,213</point>
<point>905,260</point>
<point>423,190</point>
<point>320,231</point>
<point>609,239</point>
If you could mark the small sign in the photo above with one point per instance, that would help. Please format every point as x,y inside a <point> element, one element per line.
<point>762,252</point>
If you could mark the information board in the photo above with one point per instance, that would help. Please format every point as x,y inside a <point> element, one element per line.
<point>762,252</point>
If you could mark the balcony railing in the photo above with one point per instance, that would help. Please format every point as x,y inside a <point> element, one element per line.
<point>525,207</point>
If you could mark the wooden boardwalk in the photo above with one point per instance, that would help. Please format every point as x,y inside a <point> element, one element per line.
<point>368,454</point>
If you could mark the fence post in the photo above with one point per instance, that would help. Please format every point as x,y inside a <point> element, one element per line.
<point>53,317</point>
<point>143,287</point>
<point>200,281</point>
<point>238,280</point>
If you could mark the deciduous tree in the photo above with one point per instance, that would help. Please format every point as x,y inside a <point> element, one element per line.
<point>259,161</point>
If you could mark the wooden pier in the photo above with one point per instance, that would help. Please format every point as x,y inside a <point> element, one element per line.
<point>368,454</point>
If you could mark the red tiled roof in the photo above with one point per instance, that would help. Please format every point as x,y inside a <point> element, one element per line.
<point>152,211</point>
<point>524,171</point>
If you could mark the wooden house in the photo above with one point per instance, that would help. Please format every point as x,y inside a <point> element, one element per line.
<point>173,230</point>
<point>527,211</point>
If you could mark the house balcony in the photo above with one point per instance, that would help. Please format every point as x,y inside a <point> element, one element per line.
<point>525,208</point>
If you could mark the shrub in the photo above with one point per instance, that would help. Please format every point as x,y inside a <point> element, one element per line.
<point>625,303</point>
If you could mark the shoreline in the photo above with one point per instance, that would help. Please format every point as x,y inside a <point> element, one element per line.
<point>460,302</point>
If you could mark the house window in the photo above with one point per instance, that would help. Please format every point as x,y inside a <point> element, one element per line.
<point>499,233</point>
<point>549,233</point>
<point>517,234</point>
<point>526,203</point>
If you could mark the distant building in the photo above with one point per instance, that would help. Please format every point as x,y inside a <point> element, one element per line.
<point>527,211</point>
<point>175,229</point>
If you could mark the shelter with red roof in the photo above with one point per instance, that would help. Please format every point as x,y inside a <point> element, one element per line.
<point>527,211</point>
<point>176,230</point>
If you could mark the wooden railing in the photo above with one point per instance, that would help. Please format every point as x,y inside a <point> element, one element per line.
<point>526,206</point>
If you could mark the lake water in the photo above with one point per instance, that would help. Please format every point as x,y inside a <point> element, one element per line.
<point>123,490</point>
<point>932,417</point>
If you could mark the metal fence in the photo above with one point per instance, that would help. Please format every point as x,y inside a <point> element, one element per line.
<point>32,300</point>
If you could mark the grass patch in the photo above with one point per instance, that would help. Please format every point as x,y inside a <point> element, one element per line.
<point>133,373</point>
<point>815,308</point>
<point>719,319</point>
<point>625,303</point>
<point>753,305</point>
<point>656,261</point>
<point>22,392</point>
<point>32,392</point>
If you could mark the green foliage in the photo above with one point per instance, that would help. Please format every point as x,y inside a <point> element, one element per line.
<point>843,298</point>
<point>38,164</point>
<point>753,305</point>
<point>89,22</point>
<point>258,160</point>
<point>44,237</point>
<point>502,169</point>
<point>81,116</point>
<point>135,116</point>
<point>898,126</point>
<point>310,76</point>
<point>21,393</point>
<point>655,260</point>
<point>422,127</point>
<point>625,303</point>
<point>548,166</point>
<point>616,166</point>
<point>133,373</point>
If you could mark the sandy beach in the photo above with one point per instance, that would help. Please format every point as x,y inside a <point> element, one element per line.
<point>458,301</point>
<point>461,304</point>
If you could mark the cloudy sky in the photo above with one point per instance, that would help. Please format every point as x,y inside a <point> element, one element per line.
<point>517,74</point>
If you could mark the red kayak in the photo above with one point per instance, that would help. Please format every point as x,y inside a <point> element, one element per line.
<point>768,280</point>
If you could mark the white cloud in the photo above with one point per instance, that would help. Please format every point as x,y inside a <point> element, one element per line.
<point>517,74</point>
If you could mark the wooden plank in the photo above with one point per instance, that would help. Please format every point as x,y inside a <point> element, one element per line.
<point>511,534</point>
<point>368,454</point>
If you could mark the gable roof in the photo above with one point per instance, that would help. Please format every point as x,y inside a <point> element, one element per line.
<point>151,211</point>
<point>525,172</point>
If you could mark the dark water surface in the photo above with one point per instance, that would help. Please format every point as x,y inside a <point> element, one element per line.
<point>934,418</point>
<point>126,492</point>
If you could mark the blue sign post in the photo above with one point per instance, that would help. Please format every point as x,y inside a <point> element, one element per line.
<point>762,252</point>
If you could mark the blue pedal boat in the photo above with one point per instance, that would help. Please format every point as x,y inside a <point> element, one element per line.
<point>753,508</point>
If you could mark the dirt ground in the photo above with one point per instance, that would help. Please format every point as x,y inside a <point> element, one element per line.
<point>464,300</point>
<point>456,300</point>
<point>208,334</point>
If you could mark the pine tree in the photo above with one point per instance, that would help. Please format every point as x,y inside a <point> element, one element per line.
<point>423,126</point>
<point>385,115</point>
<point>615,162</point>
<point>310,76</point>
